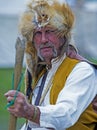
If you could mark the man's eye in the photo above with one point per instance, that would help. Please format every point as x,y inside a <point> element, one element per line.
<point>49,31</point>
<point>37,33</point>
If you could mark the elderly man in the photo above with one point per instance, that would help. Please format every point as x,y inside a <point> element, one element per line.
<point>60,84</point>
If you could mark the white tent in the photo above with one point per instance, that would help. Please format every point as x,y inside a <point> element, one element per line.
<point>9,14</point>
<point>11,7</point>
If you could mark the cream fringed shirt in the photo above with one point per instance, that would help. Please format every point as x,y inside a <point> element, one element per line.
<point>79,86</point>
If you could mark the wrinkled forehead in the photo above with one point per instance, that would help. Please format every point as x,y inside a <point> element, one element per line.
<point>45,28</point>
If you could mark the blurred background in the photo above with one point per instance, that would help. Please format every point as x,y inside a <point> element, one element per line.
<point>85,37</point>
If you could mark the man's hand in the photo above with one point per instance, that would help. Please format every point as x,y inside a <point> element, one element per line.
<point>21,107</point>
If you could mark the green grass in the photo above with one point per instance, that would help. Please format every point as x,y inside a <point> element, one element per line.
<point>93,60</point>
<point>5,85</point>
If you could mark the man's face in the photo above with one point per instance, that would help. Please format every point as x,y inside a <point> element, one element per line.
<point>47,43</point>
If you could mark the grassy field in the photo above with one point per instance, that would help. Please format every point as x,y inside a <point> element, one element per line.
<point>5,85</point>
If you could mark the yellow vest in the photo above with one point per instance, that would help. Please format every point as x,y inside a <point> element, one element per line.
<point>88,119</point>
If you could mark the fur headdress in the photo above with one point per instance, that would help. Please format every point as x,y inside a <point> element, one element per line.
<point>39,13</point>
<point>54,13</point>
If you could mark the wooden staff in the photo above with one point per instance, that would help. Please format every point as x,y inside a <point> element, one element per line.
<point>20,47</point>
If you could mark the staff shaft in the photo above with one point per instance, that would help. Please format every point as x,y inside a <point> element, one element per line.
<point>20,47</point>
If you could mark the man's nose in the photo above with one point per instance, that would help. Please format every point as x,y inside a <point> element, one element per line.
<point>44,39</point>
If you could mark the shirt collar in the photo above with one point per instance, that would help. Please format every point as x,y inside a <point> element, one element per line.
<point>58,60</point>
